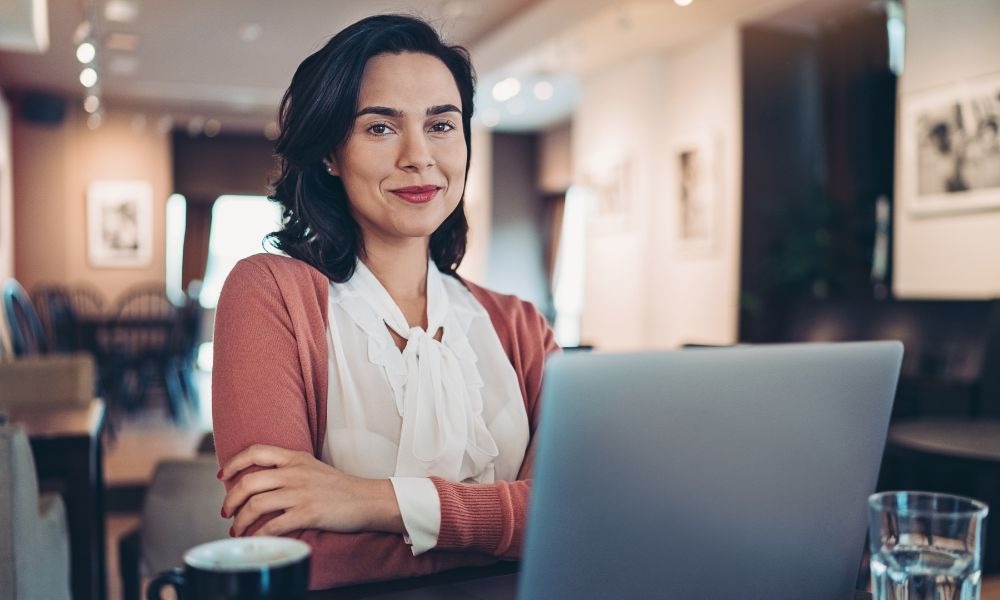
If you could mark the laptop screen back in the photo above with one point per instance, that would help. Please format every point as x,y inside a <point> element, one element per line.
<point>709,473</point>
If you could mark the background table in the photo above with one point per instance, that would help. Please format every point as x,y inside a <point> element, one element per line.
<point>66,442</point>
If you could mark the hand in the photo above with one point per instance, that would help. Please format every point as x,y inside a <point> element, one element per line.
<point>309,493</point>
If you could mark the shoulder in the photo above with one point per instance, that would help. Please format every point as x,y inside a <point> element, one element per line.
<point>510,315</point>
<point>287,280</point>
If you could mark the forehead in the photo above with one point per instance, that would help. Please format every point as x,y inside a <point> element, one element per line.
<point>407,79</point>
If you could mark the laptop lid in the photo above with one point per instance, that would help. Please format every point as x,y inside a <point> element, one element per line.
<point>709,473</point>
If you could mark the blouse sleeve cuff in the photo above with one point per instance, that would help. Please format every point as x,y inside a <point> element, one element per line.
<point>420,507</point>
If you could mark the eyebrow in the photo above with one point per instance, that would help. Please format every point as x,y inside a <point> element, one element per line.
<point>398,114</point>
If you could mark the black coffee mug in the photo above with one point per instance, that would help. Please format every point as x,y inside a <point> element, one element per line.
<point>250,568</point>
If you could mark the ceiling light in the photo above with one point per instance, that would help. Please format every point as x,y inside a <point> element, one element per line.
<point>121,11</point>
<point>94,120</point>
<point>88,77</point>
<point>86,52</point>
<point>544,90</point>
<point>506,89</point>
<point>91,103</point>
<point>212,128</point>
<point>683,2</point>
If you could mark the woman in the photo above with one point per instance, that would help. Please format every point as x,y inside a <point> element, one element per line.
<point>366,399</point>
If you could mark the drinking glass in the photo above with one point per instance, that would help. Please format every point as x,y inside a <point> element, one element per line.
<point>925,546</point>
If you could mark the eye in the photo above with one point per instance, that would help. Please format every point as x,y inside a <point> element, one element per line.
<point>442,127</point>
<point>379,129</point>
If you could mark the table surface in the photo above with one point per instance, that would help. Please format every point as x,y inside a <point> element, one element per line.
<point>66,442</point>
<point>977,439</point>
<point>59,421</point>
<point>472,583</point>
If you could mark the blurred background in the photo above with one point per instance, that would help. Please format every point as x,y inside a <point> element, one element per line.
<point>650,173</point>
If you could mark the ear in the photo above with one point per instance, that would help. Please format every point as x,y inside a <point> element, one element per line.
<point>330,163</point>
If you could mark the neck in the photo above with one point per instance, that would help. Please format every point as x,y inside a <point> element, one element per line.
<point>401,267</point>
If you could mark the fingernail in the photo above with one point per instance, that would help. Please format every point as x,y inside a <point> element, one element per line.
<point>232,532</point>
<point>219,474</point>
<point>222,512</point>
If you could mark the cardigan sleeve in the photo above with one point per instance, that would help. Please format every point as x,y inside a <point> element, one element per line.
<point>262,381</point>
<point>491,517</point>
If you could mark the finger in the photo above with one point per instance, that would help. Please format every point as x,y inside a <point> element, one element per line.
<point>260,455</point>
<point>260,505</point>
<point>285,523</point>
<point>249,485</point>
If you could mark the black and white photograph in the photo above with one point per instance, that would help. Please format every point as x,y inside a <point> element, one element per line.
<point>952,146</point>
<point>119,222</point>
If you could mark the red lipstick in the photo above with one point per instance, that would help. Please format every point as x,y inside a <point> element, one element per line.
<point>417,194</point>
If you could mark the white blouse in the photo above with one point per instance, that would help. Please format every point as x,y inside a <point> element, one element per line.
<point>452,408</point>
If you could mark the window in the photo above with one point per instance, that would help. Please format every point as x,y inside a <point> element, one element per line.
<point>239,224</point>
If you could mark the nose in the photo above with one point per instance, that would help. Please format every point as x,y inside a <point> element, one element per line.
<point>415,153</point>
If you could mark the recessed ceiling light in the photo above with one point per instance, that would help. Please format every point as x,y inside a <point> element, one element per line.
<point>506,89</point>
<point>94,120</point>
<point>683,2</point>
<point>88,77</point>
<point>91,103</point>
<point>85,52</point>
<point>121,11</point>
<point>212,128</point>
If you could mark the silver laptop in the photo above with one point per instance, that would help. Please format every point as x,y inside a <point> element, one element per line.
<point>707,473</point>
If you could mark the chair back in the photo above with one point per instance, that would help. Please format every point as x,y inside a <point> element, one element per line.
<point>145,321</point>
<point>27,335</point>
<point>181,510</point>
<point>34,547</point>
<point>55,307</point>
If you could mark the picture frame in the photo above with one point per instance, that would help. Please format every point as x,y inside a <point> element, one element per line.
<point>950,149</point>
<point>120,223</point>
<point>693,161</point>
<point>614,189</point>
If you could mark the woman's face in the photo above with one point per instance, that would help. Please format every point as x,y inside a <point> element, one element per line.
<point>403,165</point>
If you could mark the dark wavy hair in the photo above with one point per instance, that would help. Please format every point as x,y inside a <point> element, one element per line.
<point>316,118</point>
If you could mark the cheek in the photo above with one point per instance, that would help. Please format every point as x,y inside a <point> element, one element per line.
<point>453,161</point>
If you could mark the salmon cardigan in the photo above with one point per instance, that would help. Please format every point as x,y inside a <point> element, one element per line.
<point>269,386</point>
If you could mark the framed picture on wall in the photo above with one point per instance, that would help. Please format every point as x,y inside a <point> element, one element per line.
<point>695,193</point>
<point>615,189</point>
<point>120,223</point>
<point>951,148</point>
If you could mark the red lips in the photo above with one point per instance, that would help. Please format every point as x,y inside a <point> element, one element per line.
<point>417,194</point>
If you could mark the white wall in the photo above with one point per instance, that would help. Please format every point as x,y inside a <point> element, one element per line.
<point>952,256</point>
<point>642,291</point>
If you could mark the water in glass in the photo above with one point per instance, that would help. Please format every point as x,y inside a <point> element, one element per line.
<point>907,572</point>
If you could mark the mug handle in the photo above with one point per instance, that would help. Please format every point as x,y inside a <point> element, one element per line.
<point>174,578</point>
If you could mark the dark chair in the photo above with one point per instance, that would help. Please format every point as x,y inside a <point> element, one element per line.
<point>55,307</point>
<point>956,454</point>
<point>142,336</point>
<point>27,335</point>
